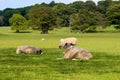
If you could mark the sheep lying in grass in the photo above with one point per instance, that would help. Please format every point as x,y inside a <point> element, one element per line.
<point>74,53</point>
<point>70,40</point>
<point>28,50</point>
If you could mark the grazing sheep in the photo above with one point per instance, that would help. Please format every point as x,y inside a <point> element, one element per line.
<point>73,52</point>
<point>71,40</point>
<point>28,50</point>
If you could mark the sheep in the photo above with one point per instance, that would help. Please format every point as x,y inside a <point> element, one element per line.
<point>71,40</point>
<point>28,50</point>
<point>76,53</point>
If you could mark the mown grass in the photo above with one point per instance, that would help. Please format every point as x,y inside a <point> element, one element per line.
<point>105,64</point>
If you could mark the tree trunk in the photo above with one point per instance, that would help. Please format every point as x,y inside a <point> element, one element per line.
<point>17,31</point>
<point>44,32</point>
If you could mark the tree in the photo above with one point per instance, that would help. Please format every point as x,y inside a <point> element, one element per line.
<point>18,22</point>
<point>101,19</point>
<point>113,15</point>
<point>52,3</point>
<point>1,20</point>
<point>7,13</point>
<point>63,13</point>
<point>103,5</point>
<point>83,21</point>
<point>90,6</point>
<point>77,5</point>
<point>42,18</point>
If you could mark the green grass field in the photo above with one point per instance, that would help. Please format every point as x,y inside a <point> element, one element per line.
<point>105,64</point>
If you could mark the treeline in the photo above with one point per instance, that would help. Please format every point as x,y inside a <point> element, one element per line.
<point>79,15</point>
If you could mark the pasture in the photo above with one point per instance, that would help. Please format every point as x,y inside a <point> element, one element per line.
<point>105,64</point>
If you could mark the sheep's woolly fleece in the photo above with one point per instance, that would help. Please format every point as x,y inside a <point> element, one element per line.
<point>28,50</point>
<point>72,40</point>
<point>76,53</point>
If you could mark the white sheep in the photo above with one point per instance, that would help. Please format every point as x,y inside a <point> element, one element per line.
<point>73,52</point>
<point>28,50</point>
<point>71,40</point>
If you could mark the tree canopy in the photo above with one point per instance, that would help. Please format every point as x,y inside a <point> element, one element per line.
<point>18,22</point>
<point>41,17</point>
<point>113,15</point>
<point>44,16</point>
<point>83,21</point>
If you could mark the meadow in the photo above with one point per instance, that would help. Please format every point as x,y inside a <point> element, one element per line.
<point>104,46</point>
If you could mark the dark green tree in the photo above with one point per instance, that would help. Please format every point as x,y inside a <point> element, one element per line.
<point>1,20</point>
<point>77,5</point>
<point>101,19</point>
<point>63,13</point>
<point>83,21</point>
<point>103,5</point>
<point>18,22</point>
<point>24,11</point>
<point>52,4</point>
<point>42,18</point>
<point>7,13</point>
<point>90,6</point>
<point>113,15</point>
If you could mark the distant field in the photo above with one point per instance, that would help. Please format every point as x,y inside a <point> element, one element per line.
<point>104,46</point>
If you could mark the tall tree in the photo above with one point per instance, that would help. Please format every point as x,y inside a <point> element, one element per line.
<point>77,5</point>
<point>18,22</point>
<point>103,5</point>
<point>7,13</point>
<point>113,15</point>
<point>52,4</point>
<point>42,18</point>
<point>90,6</point>
<point>1,20</point>
<point>63,13</point>
<point>83,21</point>
<point>101,19</point>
